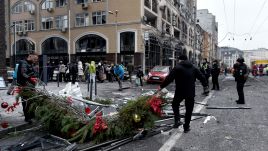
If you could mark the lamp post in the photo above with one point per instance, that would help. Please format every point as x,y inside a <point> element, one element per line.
<point>14,49</point>
<point>115,13</point>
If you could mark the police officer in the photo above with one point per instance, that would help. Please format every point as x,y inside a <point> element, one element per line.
<point>240,74</point>
<point>184,74</point>
<point>215,72</point>
<point>205,69</point>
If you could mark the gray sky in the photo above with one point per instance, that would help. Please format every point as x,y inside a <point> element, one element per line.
<point>241,20</point>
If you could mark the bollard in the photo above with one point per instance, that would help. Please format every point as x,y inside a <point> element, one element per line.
<point>95,87</point>
<point>88,84</point>
<point>91,88</point>
<point>58,80</point>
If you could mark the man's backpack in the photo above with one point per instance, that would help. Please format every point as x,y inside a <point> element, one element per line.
<point>242,72</point>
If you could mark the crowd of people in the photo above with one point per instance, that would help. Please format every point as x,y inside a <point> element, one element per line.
<point>259,70</point>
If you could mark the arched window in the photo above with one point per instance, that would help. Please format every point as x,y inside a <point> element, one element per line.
<point>24,46</point>
<point>127,41</point>
<point>23,7</point>
<point>91,43</point>
<point>54,45</point>
<point>47,4</point>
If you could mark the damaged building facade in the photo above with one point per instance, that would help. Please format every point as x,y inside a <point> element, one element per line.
<point>140,32</point>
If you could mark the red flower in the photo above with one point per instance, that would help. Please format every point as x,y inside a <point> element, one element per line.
<point>87,110</point>
<point>100,125</point>
<point>155,104</point>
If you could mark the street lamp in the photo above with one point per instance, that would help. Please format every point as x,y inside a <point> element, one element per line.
<point>115,13</point>
<point>14,50</point>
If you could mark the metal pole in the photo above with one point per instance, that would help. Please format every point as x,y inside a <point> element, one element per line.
<point>58,79</point>
<point>69,36</point>
<point>116,12</point>
<point>14,50</point>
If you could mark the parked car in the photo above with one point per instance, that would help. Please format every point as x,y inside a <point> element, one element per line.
<point>158,74</point>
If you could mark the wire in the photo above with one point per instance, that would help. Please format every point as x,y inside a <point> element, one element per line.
<point>259,27</point>
<point>259,13</point>
<point>224,8</point>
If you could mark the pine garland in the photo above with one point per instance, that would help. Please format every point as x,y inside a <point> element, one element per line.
<point>59,118</point>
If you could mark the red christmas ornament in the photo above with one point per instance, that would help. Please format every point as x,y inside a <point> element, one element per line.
<point>155,104</point>
<point>4,105</point>
<point>87,110</point>
<point>4,124</point>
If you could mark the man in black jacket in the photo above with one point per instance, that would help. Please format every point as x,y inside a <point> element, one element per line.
<point>215,72</point>
<point>27,79</point>
<point>185,75</point>
<point>241,75</point>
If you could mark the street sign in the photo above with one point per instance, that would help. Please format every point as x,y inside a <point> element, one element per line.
<point>146,35</point>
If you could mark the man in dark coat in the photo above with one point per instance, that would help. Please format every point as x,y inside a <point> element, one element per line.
<point>73,69</point>
<point>205,69</point>
<point>27,79</point>
<point>241,75</point>
<point>215,72</point>
<point>185,75</point>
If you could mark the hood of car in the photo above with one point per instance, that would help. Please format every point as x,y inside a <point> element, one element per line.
<point>153,73</point>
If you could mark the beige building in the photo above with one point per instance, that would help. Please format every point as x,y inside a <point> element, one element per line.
<point>139,32</point>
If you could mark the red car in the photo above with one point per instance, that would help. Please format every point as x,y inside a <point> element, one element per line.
<point>158,74</point>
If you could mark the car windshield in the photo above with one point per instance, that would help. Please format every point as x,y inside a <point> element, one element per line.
<point>160,69</point>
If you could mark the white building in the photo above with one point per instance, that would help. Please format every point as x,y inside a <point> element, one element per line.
<point>257,54</point>
<point>229,55</point>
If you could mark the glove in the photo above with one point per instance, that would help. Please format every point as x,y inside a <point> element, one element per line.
<point>33,80</point>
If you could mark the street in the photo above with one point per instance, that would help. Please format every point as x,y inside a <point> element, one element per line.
<point>230,130</point>
<point>234,129</point>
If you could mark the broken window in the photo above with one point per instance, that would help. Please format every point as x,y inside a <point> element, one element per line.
<point>82,20</point>
<point>60,3</point>
<point>54,45</point>
<point>99,17</point>
<point>61,22</point>
<point>154,5</point>
<point>47,23</point>
<point>29,25</point>
<point>24,46</point>
<point>147,3</point>
<point>127,41</point>
<point>91,43</point>
<point>47,4</point>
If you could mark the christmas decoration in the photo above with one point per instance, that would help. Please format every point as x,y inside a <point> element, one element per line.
<point>155,104</point>
<point>87,110</point>
<point>4,105</point>
<point>4,124</point>
<point>100,125</point>
<point>70,100</point>
<point>136,118</point>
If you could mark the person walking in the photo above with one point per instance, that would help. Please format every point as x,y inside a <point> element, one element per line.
<point>185,75</point>
<point>215,72</point>
<point>27,79</point>
<point>67,73</point>
<point>241,75</point>
<point>119,75</point>
<point>62,71</point>
<point>80,71</point>
<point>140,75</point>
<point>73,71</point>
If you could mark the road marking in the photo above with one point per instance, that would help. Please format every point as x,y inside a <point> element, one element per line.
<point>177,134</point>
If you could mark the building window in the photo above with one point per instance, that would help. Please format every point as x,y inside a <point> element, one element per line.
<point>61,22</point>
<point>97,1</point>
<point>99,17</point>
<point>54,45</point>
<point>18,8</point>
<point>168,16</point>
<point>28,6</point>
<point>29,25</point>
<point>18,25</point>
<point>47,4</point>
<point>81,1</point>
<point>60,3</point>
<point>82,20</point>
<point>127,41</point>
<point>91,43</point>
<point>154,5</point>
<point>147,3</point>
<point>47,23</point>
<point>24,46</point>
